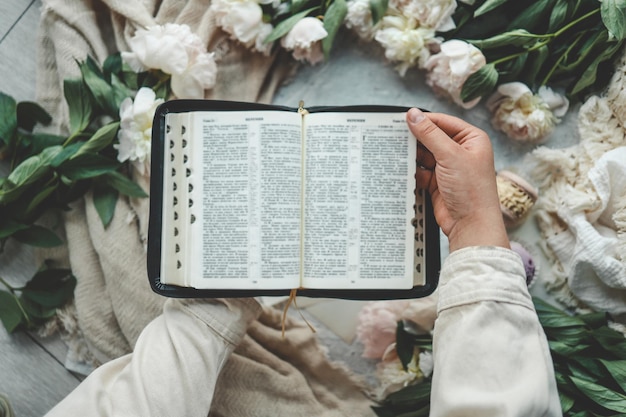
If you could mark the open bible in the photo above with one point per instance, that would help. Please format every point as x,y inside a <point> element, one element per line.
<point>249,199</point>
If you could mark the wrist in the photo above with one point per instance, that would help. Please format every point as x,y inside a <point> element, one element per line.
<point>488,230</point>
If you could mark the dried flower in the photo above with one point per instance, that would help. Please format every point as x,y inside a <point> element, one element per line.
<point>175,50</point>
<point>520,114</point>
<point>449,69</point>
<point>135,132</point>
<point>243,20</point>
<point>377,326</point>
<point>304,39</point>
<point>405,41</point>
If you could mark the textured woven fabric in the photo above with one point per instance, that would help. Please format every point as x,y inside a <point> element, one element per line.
<point>581,210</point>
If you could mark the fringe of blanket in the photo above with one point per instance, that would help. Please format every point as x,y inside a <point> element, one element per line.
<point>561,176</point>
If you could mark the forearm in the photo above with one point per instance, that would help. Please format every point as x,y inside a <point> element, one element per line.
<point>491,355</point>
<point>174,366</point>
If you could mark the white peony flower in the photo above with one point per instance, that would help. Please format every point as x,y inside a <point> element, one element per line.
<point>405,41</point>
<point>426,363</point>
<point>436,14</point>
<point>558,103</point>
<point>520,114</point>
<point>135,132</point>
<point>449,69</point>
<point>243,20</point>
<point>304,39</point>
<point>359,19</point>
<point>175,50</point>
<point>377,326</point>
<point>392,376</point>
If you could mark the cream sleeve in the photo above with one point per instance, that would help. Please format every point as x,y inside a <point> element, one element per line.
<point>174,366</point>
<point>491,356</point>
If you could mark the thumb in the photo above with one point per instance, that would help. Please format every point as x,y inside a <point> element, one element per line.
<point>429,134</point>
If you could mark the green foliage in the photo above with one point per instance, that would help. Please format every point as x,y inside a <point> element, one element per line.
<point>378,9</point>
<point>570,44</point>
<point>480,83</point>
<point>282,28</point>
<point>589,360</point>
<point>614,17</point>
<point>29,306</point>
<point>50,171</point>
<point>333,19</point>
<point>589,364</point>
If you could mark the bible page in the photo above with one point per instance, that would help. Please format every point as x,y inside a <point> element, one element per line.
<point>359,201</point>
<point>246,199</point>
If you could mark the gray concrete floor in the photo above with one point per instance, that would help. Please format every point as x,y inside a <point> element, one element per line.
<point>31,369</point>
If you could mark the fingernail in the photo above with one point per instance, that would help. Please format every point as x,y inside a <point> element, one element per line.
<point>416,115</point>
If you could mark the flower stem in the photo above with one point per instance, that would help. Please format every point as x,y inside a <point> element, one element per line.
<point>6,284</point>
<point>549,37</point>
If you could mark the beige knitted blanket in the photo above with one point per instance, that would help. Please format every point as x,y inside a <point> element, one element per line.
<point>113,300</point>
<point>581,211</point>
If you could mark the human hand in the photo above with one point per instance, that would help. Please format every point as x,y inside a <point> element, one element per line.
<point>456,166</point>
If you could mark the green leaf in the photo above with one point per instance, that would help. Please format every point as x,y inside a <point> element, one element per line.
<point>611,340</point>
<point>124,185</point>
<point>412,394</point>
<point>100,140</point>
<point>36,312</point>
<point>404,345</point>
<point>566,349</point>
<point>112,65</point>
<point>517,37</point>
<point>533,66</point>
<point>601,395</point>
<point>298,5</point>
<point>480,83</point>
<point>558,15</point>
<point>8,227</point>
<point>333,19</point>
<point>617,370</point>
<point>100,89</point>
<point>88,165</point>
<point>532,17</point>
<point>285,26</point>
<point>38,236</point>
<point>10,312</point>
<point>566,402</point>
<point>37,200</point>
<point>40,141</point>
<point>50,287</point>
<point>511,70</point>
<point>66,153</point>
<point>30,113</point>
<point>614,17</point>
<point>588,77</point>
<point>488,6</point>
<point>105,200</point>
<point>29,171</point>
<point>8,118</point>
<point>120,90</point>
<point>77,97</point>
<point>378,9</point>
<point>594,320</point>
